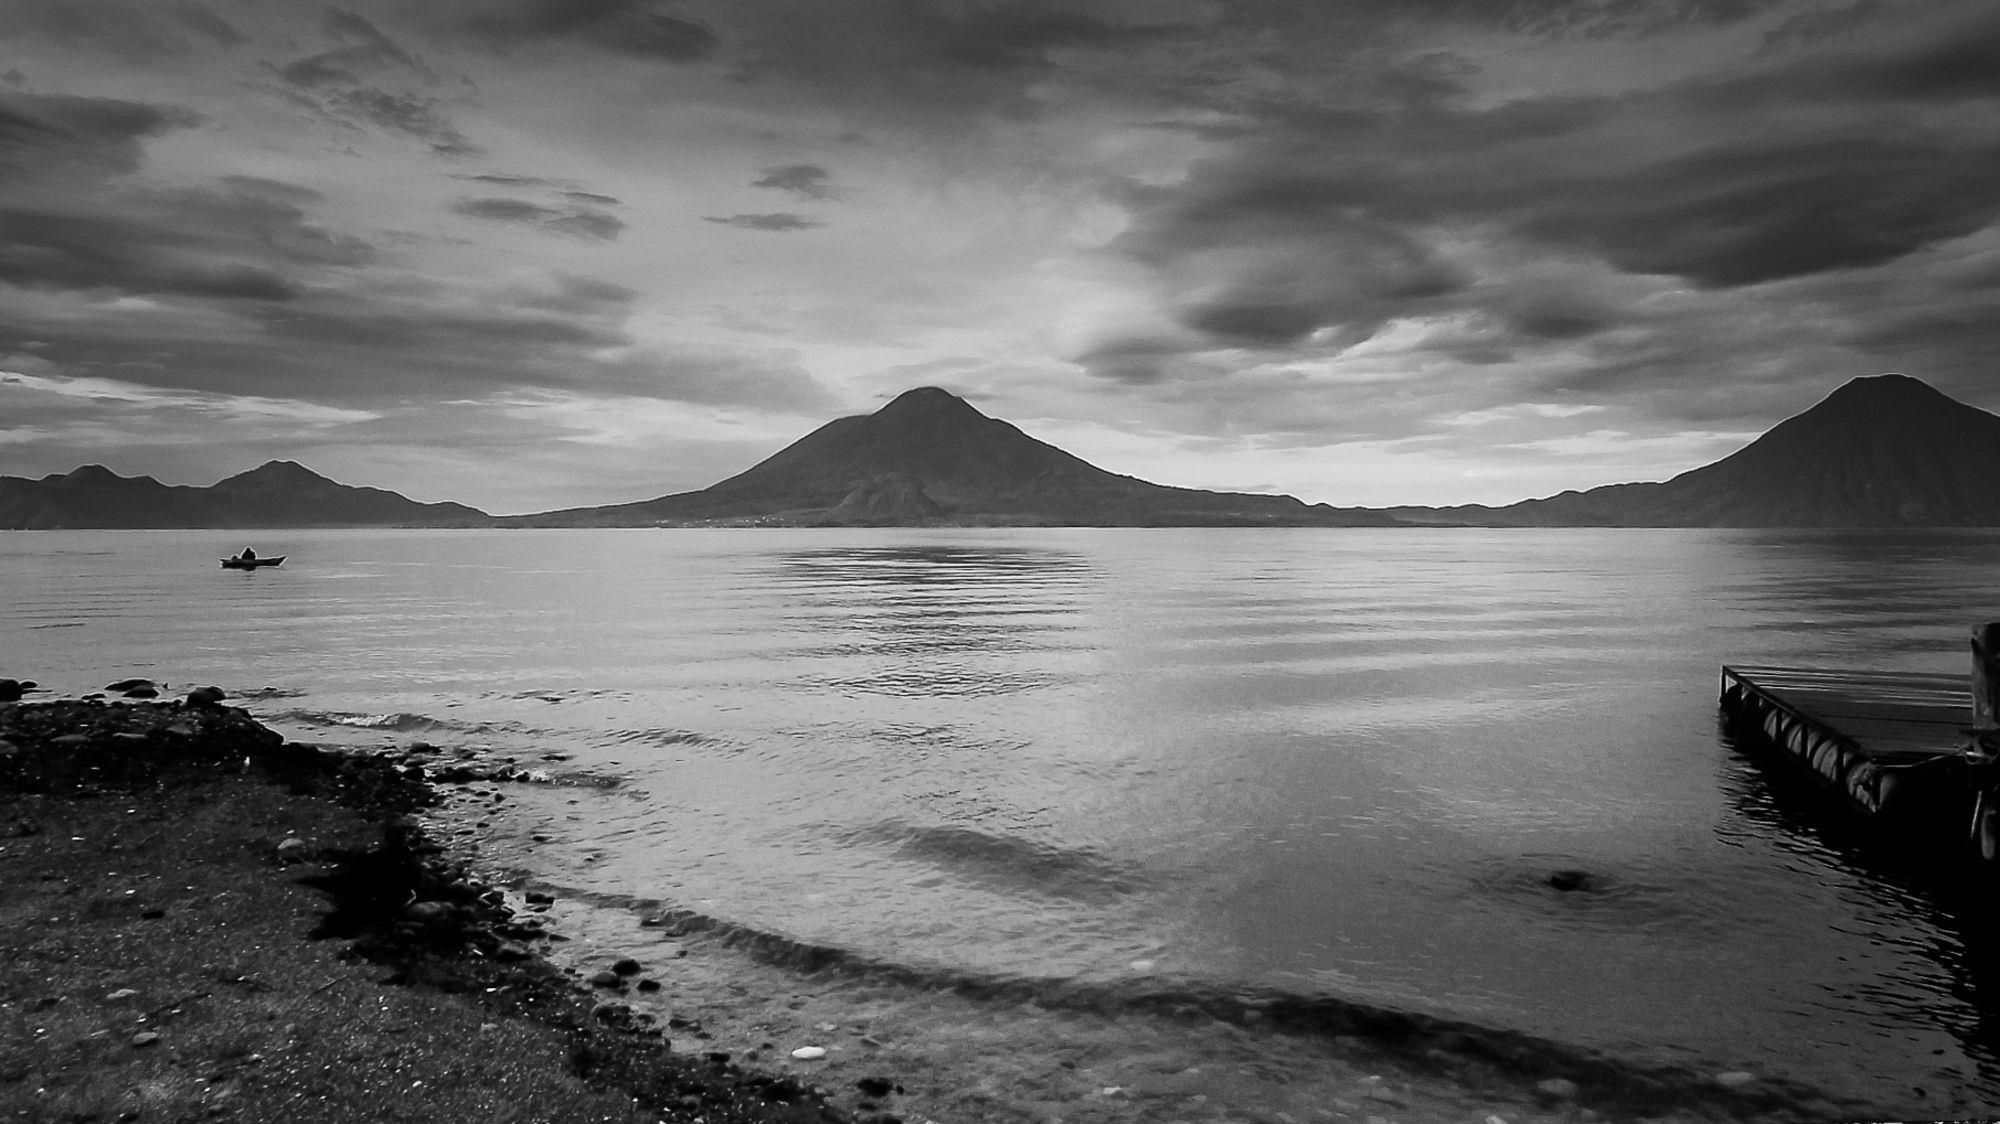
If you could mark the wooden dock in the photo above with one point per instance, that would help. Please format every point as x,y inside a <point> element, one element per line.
<point>1893,745</point>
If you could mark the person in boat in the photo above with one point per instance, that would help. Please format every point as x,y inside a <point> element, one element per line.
<point>248,555</point>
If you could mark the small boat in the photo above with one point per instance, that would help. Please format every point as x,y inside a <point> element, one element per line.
<point>241,563</point>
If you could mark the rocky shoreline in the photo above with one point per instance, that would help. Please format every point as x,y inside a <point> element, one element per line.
<point>155,850</point>
<point>201,920</point>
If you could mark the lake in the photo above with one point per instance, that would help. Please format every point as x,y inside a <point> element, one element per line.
<point>1334,767</point>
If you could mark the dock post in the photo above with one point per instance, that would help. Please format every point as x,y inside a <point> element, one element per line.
<point>1986,679</point>
<point>1984,751</point>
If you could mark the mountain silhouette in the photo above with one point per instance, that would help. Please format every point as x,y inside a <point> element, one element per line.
<point>276,494</point>
<point>1882,451</point>
<point>930,457</point>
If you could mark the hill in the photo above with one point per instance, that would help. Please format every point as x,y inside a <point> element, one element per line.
<point>931,458</point>
<point>1884,451</point>
<point>276,494</point>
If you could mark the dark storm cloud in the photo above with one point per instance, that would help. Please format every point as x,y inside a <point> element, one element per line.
<point>247,239</point>
<point>137,32</point>
<point>1322,222</point>
<point>1765,211</point>
<point>1271,264</point>
<point>46,138</point>
<point>807,181</point>
<point>576,221</point>
<point>641,28</point>
<point>47,250</point>
<point>779,223</point>
<point>62,227</point>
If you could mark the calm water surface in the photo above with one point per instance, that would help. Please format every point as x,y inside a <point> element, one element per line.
<point>1330,764</point>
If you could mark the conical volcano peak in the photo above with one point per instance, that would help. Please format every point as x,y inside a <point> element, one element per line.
<point>929,405</point>
<point>1895,387</point>
<point>280,470</point>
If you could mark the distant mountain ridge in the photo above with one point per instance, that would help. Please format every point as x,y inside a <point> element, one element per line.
<point>1883,451</point>
<point>275,494</point>
<point>931,458</point>
<point>1880,451</point>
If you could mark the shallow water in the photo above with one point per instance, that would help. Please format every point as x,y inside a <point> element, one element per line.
<point>1323,766</point>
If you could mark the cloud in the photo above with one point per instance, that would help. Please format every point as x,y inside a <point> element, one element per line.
<point>75,143</point>
<point>807,181</point>
<point>136,31</point>
<point>777,223</point>
<point>640,28</point>
<point>594,198</point>
<point>1562,225</point>
<point>347,84</point>
<point>93,394</point>
<point>579,222</point>
<point>410,114</point>
<point>504,180</point>
<point>73,217</point>
<point>247,238</point>
<point>363,48</point>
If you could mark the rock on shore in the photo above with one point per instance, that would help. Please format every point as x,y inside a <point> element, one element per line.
<point>177,916</point>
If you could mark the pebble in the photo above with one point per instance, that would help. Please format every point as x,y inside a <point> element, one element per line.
<point>809,1053</point>
<point>291,849</point>
<point>876,1086</point>
<point>607,979</point>
<point>427,912</point>
<point>649,985</point>
<point>511,951</point>
<point>121,993</point>
<point>206,696</point>
<point>144,1038</point>
<point>1735,1079</point>
<point>626,966</point>
<point>130,685</point>
<point>536,897</point>
<point>1557,1088</point>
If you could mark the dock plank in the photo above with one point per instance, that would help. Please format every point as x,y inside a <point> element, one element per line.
<point>1872,735</point>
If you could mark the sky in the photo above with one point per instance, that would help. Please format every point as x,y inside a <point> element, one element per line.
<point>532,254</point>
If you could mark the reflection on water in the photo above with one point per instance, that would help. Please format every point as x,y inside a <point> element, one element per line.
<point>929,620</point>
<point>1337,766</point>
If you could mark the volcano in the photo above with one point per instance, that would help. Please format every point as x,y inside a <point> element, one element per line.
<point>1882,451</point>
<point>931,458</point>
